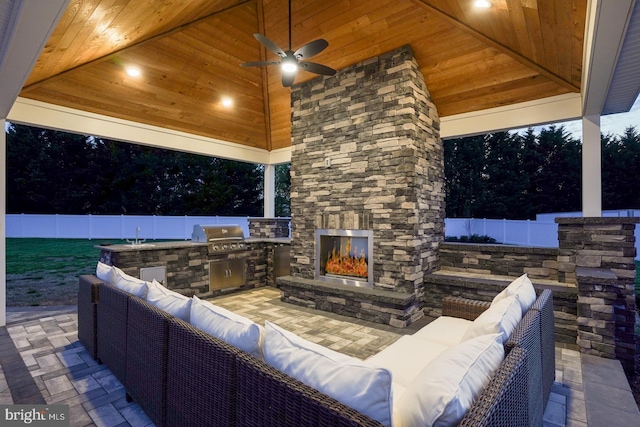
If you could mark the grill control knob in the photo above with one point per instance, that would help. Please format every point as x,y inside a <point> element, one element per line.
<point>224,247</point>
<point>233,246</point>
<point>215,247</point>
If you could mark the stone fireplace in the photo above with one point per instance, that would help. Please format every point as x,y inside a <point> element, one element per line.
<point>367,156</point>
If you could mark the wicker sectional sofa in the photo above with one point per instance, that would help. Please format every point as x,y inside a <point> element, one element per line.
<point>182,376</point>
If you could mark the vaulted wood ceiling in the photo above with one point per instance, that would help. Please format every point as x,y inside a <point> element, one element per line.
<point>190,50</point>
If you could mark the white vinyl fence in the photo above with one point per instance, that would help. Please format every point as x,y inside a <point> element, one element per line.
<point>113,226</point>
<point>542,232</point>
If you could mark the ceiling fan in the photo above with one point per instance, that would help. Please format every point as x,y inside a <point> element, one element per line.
<point>291,60</point>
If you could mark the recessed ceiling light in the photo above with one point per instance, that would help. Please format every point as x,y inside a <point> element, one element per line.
<point>227,102</point>
<point>482,4</point>
<point>133,71</point>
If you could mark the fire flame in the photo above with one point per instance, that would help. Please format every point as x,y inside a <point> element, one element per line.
<point>345,264</point>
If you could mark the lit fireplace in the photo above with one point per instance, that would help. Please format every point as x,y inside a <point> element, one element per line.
<point>344,256</point>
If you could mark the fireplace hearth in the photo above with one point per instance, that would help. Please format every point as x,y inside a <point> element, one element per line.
<point>345,257</point>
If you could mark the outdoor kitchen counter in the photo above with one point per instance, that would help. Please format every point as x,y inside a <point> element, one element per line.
<point>179,244</point>
<point>175,244</point>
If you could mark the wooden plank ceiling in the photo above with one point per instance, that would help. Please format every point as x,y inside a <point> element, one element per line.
<point>189,52</point>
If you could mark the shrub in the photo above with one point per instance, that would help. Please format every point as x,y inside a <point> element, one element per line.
<point>474,238</point>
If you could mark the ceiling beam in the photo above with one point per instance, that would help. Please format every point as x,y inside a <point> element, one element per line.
<point>500,47</point>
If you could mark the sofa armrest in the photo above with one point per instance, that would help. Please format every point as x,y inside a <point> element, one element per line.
<point>463,308</point>
<point>502,400</point>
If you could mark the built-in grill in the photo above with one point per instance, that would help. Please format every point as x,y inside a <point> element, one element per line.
<point>219,238</point>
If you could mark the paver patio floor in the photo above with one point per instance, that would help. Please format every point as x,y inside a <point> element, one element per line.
<point>43,362</point>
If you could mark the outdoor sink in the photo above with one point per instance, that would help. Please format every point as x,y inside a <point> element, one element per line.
<point>140,245</point>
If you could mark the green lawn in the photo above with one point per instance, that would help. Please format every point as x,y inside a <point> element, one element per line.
<point>38,257</point>
<point>45,271</point>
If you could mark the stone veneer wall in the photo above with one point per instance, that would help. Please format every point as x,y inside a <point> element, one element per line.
<point>504,260</point>
<point>367,154</point>
<point>603,252</point>
<point>269,227</point>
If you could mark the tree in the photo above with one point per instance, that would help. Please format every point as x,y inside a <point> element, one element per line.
<point>63,173</point>
<point>282,190</point>
<point>621,170</point>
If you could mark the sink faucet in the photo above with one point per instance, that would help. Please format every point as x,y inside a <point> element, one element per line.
<point>137,241</point>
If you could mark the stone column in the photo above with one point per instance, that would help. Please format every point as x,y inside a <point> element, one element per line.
<point>603,251</point>
<point>268,228</point>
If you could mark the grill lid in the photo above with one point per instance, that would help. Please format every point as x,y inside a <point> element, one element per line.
<point>217,233</point>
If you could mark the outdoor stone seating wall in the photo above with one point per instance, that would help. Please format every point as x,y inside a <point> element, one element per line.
<point>504,260</point>
<point>603,252</point>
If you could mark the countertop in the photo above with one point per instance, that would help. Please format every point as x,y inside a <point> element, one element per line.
<point>179,244</point>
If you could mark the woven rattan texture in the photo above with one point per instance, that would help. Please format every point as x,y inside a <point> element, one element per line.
<point>501,403</point>
<point>112,330</point>
<point>527,336</point>
<point>463,308</point>
<point>147,333</point>
<point>201,378</point>
<point>87,313</point>
<point>544,304</point>
<point>268,397</point>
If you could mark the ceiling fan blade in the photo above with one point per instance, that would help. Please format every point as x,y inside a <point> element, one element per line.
<point>311,48</point>
<point>270,45</point>
<point>317,68</point>
<point>259,63</point>
<point>288,79</point>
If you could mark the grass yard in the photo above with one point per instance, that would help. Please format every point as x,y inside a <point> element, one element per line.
<point>45,271</point>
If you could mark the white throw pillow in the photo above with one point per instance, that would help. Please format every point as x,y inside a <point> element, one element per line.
<point>360,385</point>
<point>172,302</point>
<point>230,327</point>
<point>106,273</point>
<point>501,317</point>
<point>445,389</point>
<point>522,287</point>
<point>130,284</point>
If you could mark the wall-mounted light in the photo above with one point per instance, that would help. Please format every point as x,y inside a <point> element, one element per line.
<point>482,4</point>
<point>227,102</point>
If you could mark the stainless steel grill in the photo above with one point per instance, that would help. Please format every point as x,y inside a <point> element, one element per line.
<point>219,238</point>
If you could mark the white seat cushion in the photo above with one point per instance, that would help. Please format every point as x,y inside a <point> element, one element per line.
<point>522,287</point>
<point>230,327</point>
<point>130,284</point>
<point>172,302</point>
<point>355,383</point>
<point>406,357</point>
<point>501,317</point>
<point>445,389</point>
<point>444,330</point>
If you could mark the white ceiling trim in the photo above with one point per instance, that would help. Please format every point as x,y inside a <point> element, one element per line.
<point>42,114</point>
<point>606,26</point>
<point>532,113</point>
<point>25,35</point>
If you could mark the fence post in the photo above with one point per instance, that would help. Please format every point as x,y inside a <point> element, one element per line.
<point>90,227</point>
<point>504,231</point>
<point>528,232</point>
